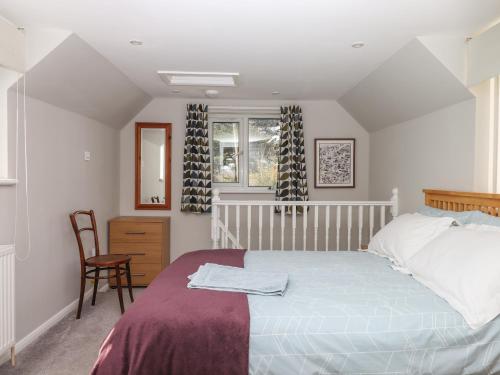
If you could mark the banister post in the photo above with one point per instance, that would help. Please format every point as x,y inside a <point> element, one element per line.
<point>395,202</point>
<point>215,217</point>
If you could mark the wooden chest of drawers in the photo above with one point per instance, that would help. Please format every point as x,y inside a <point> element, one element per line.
<point>146,240</point>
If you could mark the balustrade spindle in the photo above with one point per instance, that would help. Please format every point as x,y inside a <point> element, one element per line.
<point>260,227</point>
<point>304,228</point>
<point>315,228</point>
<point>271,226</point>
<point>327,226</point>
<point>372,221</point>
<point>226,226</point>
<point>238,225</point>
<point>282,227</point>
<point>349,227</point>
<point>360,226</point>
<point>339,217</point>
<point>249,226</point>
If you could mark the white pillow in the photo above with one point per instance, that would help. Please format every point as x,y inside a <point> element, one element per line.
<point>406,234</point>
<point>461,266</point>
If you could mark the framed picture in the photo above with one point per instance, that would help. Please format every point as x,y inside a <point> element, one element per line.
<point>334,162</point>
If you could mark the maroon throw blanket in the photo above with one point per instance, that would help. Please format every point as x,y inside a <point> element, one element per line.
<point>173,330</point>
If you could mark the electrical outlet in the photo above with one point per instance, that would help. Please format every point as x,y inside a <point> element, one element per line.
<point>86,156</point>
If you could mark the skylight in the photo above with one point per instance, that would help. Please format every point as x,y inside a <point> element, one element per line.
<point>180,78</point>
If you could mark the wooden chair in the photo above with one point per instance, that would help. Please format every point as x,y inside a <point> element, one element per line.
<point>99,263</point>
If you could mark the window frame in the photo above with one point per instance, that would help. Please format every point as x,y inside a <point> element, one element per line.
<point>243,160</point>
<point>8,171</point>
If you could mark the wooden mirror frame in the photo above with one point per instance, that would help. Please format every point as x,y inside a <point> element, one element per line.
<point>168,175</point>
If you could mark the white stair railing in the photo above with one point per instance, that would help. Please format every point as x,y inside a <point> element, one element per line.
<point>320,210</point>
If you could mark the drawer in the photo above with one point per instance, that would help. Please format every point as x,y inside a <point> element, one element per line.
<point>123,231</point>
<point>142,274</point>
<point>140,252</point>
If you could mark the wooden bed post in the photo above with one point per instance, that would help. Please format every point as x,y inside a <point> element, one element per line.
<point>215,218</point>
<point>395,202</point>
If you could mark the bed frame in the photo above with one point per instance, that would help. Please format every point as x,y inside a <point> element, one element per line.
<point>463,201</point>
<point>333,221</point>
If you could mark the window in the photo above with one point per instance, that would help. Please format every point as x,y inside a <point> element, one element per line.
<point>244,152</point>
<point>7,78</point>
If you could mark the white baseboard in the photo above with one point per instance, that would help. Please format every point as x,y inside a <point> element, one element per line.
<point>49,323</point>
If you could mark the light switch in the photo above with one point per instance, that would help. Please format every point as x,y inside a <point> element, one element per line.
<point>86,155</point>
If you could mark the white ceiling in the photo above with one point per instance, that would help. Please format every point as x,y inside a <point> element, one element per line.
<point>300,48</point>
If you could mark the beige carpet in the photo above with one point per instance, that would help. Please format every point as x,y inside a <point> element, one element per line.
<point>71,346</point>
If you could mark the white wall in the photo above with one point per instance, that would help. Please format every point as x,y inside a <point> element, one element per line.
<point>432,151</point>
<point>484,56</point>
<point>191,231</point>
<point>59,181</point>
<point>487,166</point>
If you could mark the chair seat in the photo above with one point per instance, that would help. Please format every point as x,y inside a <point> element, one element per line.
<point>107,260</point>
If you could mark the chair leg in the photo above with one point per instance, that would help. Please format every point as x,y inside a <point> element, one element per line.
<point>129,282</point>
<point>96,284</point>
<point>80,301</point>
<point>119,287</point>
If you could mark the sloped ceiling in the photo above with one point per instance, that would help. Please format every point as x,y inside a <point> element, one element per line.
<point>484,56</point>
<point>11,43</point>
<point>76,77</point>
<point>410,84</point>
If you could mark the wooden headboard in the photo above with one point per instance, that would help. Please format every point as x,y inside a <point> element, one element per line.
<point>463,201</point>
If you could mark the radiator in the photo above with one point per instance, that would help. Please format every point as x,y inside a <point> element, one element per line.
<point>7,317</point>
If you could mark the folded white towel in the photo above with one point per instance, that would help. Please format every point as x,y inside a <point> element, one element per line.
<point>234,279</point>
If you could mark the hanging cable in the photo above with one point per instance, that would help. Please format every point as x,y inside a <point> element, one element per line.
<point>16,204</point>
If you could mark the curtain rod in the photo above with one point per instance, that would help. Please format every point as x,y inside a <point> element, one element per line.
<point>232,109</point>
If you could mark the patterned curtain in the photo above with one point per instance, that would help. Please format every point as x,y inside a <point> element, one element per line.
<point>292,178</point>
<point>197,176</point>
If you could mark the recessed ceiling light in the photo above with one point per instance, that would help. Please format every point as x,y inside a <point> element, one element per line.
<point>275,93</point>
<point>180,78</point>
<point>358,45</point>
<point>135,42</point>
<point>211,93</point>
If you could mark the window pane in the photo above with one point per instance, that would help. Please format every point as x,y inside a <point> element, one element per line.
<point>263,138</point>
<point>225,151</point>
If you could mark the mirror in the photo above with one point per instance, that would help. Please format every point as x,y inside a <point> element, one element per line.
<point>152,166</point>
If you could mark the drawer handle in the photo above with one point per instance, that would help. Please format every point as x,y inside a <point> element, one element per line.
<point>132,232</point>
<point>138,274</point>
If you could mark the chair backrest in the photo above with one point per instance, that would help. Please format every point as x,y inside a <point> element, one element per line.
<point>93,228</point>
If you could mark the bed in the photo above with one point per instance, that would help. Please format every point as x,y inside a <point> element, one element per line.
<point>344,312</point>
<point>351,313</point>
